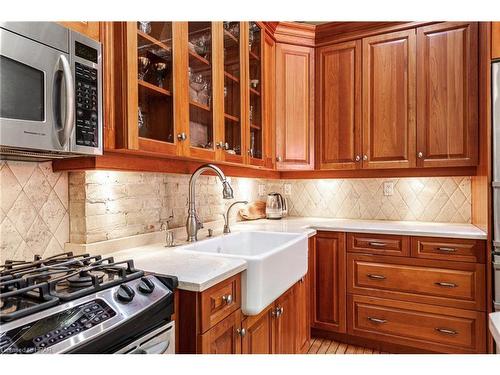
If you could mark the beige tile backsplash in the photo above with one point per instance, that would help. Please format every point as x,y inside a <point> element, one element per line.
<point>41,210</point>
<point>33,210</point>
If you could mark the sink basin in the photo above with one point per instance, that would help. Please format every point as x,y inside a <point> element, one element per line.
<point>275,261</point>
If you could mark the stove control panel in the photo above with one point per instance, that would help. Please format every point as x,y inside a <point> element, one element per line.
<point>40,335</point>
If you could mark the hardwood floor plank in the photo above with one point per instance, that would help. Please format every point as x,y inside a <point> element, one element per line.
<point>350,349</point>
<point>333,347</point>
<point>324,346</point>
<point>359,350</point>
<point>367,351</point>
<point>341,349</point>
<point>315,346</point>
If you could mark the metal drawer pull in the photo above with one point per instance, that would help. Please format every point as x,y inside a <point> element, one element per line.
<point>227,298</point>
<point>378,244</point>
<point>446,331</point>
<point>277,312</point>
<point>377,320</point>
<point>375,277</point>
<point>446,285</point>
<point>447,249</point>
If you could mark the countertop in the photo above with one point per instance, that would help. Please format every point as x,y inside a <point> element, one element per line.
<point>198,272</point>
<point>495,327</point>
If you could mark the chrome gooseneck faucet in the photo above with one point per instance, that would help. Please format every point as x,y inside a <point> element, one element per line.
<point>226,216</point>
<point>193,223</point>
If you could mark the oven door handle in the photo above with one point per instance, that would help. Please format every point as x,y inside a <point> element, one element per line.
<point>64,131</point>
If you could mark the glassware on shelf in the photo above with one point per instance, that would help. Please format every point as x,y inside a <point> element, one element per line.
<point>204,94</point>
<point>145,26</point>
<point>160,70</point>
<point>251,39</point>
<point>143,65</point>
<point>201,45</point>
<point>140,118</point>
<point>254,83</point>
<point>251,113</point>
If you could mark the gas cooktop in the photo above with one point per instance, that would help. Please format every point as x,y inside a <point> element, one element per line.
<point>45,302</point>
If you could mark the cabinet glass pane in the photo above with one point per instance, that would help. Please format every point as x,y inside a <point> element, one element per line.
<point>232,113</point>
<point>255,71</point>
<point>200,84</point>
<point>154,65</point>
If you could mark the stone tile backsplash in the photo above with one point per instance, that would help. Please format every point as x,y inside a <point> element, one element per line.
<point>41,210</point>
<point>34,212</point>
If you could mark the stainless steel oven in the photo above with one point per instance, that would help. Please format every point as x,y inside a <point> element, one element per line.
<point>51,92</point>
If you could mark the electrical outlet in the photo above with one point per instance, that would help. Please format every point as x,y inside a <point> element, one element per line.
<point>262,190</point>
<point>388,188</point>
<point>288,189</point>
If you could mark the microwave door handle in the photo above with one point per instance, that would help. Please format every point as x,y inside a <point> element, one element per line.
<point>65,132</point>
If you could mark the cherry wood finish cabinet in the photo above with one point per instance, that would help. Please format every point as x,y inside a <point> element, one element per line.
<point>495,40</point>
<point>88,28</point>
<point>338,75</point>
<point>294,107</point>
<point>447,94</point>
<point>329,282</point>
<point>389,100</point>
<point>408,293</point>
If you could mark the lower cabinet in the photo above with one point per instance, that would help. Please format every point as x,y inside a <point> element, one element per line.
<point>224,338</point>
<point>407,293</point>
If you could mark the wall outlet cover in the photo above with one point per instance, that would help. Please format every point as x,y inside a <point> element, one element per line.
<point>262,190</point>
<point>287,189</point>
<point>388,188</point>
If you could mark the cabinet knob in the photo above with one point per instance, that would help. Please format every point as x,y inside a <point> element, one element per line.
<point>358,158</point>
<point>365,157</point>
<point>181,136</point>
<point>222,145</point>
<point>420,155</point>
<point>228,298</point>
<point>277,312</point>
<point>241,332</point>
<point>279,158</point>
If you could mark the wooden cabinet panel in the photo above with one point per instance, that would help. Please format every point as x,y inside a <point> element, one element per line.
<point>383,244</point>
<point>286,322</point>
<point>447,94</point>
<point>294,107</point>
<point>460,250</point>
<point>427,327</point>
<point>441,283</point>
<point>389,100</point>
<point>259,333</point>
<point>220,301</point>
<point>495,40</point>
<point>90,29</point>
<point>224,337</point>
<point>329,282</point>
<point>338,72</point>
<point>269,92</point>
<point>302,331</point>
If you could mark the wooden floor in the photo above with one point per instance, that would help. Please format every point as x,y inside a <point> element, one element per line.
<point>325,346</point>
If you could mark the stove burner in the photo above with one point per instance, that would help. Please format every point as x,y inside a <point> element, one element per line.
<point>85,278</point>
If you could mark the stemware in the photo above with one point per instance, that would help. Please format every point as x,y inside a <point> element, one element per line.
<point>145,26</point>
<point>160,73</point>
<point>143,65</point>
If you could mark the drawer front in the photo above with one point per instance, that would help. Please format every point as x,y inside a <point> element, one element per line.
<point>422,326</point>
<point>219,302</point>
<point>448,249</point>
<point>406,279</point>
<point>382,244</point>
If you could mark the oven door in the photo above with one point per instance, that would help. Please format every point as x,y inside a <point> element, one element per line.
<point>159,341</point>
<point>37,91</point>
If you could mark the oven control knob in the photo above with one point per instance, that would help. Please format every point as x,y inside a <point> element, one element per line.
<point>125,293</point>
<point>146,286</point>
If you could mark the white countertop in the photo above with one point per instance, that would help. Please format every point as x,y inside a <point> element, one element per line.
<point>198,272</point>
<point>495,327</point>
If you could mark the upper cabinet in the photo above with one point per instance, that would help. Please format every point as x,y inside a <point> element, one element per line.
<point>495,40</point>
<point>90,29</point>
<point>338,73</point>
<point>447,94</point>
<point>294,107</point>
<point>389,100</point>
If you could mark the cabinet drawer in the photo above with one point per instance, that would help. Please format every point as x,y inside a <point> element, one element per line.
<point>220,301</point>
<point>448,249</point>
<point>440,283</point>
<point>422,326</point>
<point>383,244</point>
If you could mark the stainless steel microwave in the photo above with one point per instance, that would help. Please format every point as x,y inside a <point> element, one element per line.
<point>50,92</point>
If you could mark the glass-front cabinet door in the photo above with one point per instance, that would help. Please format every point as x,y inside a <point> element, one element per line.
<point>232,144</point>
<point>255,141</point>
<point>201,81</point>
<point>154,62</point>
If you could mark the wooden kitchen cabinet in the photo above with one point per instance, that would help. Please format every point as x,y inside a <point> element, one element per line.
<point>259,335</point>
<point>389,100</point>
<point>294,107</point>
<point>329,282</point>
<point>338,73</point>
<point>495,40</point>
<point>88,28</point>
<point>286,322</point>
<point>224,338</point>
<point>447,94</point>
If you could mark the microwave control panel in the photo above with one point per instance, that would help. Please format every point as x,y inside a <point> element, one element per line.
<point>87,129</point>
